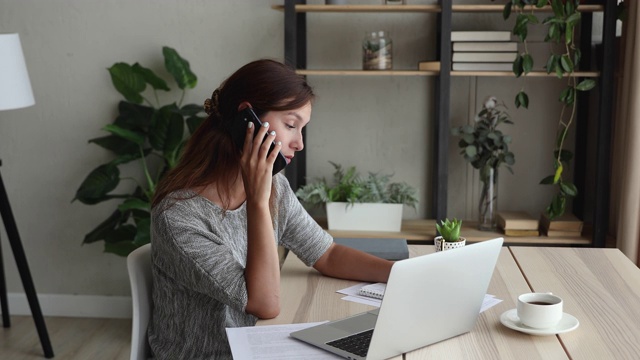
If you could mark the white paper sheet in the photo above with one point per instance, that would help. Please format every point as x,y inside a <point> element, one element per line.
<point>352,295</point>
<point>273,342</point>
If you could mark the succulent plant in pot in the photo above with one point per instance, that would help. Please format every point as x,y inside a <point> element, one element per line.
<point>449,237</point>
<point>356,202</point>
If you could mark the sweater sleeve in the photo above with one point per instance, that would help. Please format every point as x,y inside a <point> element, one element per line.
<point>189,255</point>
<point>298,231</point>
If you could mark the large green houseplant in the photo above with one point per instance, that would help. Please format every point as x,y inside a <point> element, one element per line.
<point>348,186</point>
<point>561,26</point>
<point>350,196</point>
<point>146,132</point>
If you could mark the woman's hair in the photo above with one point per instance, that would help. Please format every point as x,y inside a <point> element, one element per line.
<point>210,155</point>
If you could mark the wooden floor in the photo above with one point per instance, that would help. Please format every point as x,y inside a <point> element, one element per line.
<point>71,338</point>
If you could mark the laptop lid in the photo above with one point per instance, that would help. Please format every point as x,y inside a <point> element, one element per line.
<point>428,299</point>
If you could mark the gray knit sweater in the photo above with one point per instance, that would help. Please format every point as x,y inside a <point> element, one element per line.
<point>199,255</point>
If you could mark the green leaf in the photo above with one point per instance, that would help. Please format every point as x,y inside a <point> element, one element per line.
<point>558,9</point>
<point>194,122</point>
<point>166,130</point>
<point>121,248</point>
<point>558,175</point>
<point>517,66</point>
<point>133,116</point>
<point>471,151</point>
<point>179,68</point>
<point>98,183</point>
<point>541,3</point>
<point>105,227</point>
<point>143,233</point>
<point>150,77</point>
<point>506,11</point>
<point>134,204</point>
<point>567,64</point>
<point>551,63</point>
<point>130,135</point>
<point>120,233</point>
<point>128,82</point>
<point>527,63</point>
<point>569,189</point>
<point>190,110</point>
<point>116,144</point>
<point>522,99</point>
<point>568,35</point>
<point>586,85</point>
<point>547,180</point>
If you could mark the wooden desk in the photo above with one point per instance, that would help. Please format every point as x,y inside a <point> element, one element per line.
<point>600,287</point>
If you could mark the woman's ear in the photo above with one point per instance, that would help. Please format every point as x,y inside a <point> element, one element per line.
<point>243,105</point>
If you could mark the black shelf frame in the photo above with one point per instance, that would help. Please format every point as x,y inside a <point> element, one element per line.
<point>295,55</point>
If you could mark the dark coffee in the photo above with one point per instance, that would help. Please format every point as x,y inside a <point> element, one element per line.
<point>540,303</point>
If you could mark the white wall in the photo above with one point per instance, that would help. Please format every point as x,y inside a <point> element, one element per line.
<point>376,123</point>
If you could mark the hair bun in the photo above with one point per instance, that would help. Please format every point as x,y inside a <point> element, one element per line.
<point>208,106</point>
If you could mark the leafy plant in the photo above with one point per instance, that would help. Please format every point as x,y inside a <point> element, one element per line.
<point>449,229</point>
<point>483,145</point>
<point>349,186</point>
<point>561,26</point>
<point>151,134</point>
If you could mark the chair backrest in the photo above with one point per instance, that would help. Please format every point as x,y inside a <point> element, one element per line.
<point>139,266</point>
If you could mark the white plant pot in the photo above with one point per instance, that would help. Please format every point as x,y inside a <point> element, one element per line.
<point>439,243</point>
<point>364,216</point>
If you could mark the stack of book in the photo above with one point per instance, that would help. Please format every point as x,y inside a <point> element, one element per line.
<point>517,223</point>
<point>567,225</point>
<point>483,51</point>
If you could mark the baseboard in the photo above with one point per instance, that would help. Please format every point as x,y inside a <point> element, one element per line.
<point>92,306</point>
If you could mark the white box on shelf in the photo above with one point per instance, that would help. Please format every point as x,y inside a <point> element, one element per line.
<point>364,216</point>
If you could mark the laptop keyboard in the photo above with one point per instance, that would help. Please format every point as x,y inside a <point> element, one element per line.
<point>357,344</point>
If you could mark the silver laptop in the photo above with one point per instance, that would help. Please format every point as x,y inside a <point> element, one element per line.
<point>428,299</point>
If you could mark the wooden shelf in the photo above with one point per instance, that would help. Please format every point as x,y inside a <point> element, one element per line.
<point>531,74</point>
<point>424,231</point>
<point>367,72</point>
<point>422,8</point>
<point>349,72</point>
<point>497,8</point>
<point>364,8</point>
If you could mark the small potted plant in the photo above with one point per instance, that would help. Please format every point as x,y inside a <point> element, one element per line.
<point>449,237</point>
<point>354,202</point>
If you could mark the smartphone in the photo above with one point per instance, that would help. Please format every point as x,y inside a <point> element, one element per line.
<point>239,132</point>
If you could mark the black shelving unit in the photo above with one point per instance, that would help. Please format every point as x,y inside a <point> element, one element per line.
<point>295,55</point>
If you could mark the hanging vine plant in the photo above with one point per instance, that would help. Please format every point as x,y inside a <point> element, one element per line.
<point>561,26</point>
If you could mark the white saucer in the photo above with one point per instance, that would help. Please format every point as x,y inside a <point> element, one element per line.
<point>567,323</point>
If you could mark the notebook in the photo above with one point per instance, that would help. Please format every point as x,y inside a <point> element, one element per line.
<point>418,295</point>
<point>375,291</point>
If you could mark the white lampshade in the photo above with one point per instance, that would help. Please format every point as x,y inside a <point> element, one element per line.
<point>15,87</point>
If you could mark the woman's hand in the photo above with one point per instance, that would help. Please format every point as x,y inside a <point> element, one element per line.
<point>262,271</point>
<point>257,163</point>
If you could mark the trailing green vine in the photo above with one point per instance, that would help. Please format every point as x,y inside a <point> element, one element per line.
<point>561,26</point>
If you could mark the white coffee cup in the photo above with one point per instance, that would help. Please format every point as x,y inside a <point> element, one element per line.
<point>539,310</point>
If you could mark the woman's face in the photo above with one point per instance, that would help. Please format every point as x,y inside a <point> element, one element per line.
<point>288,126</point>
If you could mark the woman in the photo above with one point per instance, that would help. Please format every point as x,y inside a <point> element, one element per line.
<point>219,215</point>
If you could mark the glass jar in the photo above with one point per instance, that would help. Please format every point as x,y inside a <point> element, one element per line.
<point>377,51</point>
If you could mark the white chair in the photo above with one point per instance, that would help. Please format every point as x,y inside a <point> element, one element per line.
<point>139,266</point>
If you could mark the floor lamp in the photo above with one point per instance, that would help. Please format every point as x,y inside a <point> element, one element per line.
<point>15,93</point>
